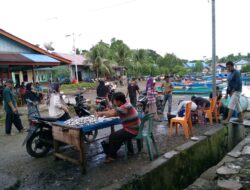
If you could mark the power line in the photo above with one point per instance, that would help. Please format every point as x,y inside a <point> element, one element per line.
<point>114,5</point>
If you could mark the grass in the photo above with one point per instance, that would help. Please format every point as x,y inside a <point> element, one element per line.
<point>71,88</point>
<point>2,120</point>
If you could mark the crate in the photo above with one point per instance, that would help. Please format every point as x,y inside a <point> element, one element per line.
<point>70,136</point>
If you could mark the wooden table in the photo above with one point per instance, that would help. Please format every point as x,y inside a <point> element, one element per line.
<point>74,136</point>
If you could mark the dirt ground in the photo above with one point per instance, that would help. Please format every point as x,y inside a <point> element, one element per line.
<point>45,173</point>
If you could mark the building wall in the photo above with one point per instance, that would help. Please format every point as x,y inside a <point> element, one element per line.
<point>238,67</point>
<point>9,46</point>
<point>43,76</point>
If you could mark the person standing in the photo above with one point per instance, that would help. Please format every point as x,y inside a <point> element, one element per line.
<point>167,89</point>
<point>132,89</point>
<point>151,98</point>
<point>10,107</point>
<point>234,89</point>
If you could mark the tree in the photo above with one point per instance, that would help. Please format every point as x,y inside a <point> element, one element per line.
<point>48,46</point>
<point>245,68</point>
<point>97,55</point>
<point>198,67</point>
<point>119,52</point>
<point>60,72</point>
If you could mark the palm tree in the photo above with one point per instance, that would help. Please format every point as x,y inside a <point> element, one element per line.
<point>96,56</point>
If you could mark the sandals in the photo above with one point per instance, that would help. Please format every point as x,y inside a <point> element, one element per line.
<point>109,160</point>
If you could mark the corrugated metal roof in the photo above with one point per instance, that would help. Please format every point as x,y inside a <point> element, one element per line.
<point>13,57</point>
<point>76,59</point>
<point>40,58</point>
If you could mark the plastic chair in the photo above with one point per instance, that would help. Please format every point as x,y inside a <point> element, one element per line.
<point>212,110</point>
<point>184,121</point>
<point>145,134</point>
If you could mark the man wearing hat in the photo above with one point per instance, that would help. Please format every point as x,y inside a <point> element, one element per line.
<point>10,108</point>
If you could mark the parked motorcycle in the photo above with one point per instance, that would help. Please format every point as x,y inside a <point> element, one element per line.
<point>82,110</point>
<point>101,102</point>
<point>81,107</point>
<point>39,140</point>
<point>142,102</point>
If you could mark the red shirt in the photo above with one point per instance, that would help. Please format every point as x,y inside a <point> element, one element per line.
<point>129,118</point>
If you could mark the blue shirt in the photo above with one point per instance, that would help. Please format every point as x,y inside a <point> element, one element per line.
<point>234,81</point>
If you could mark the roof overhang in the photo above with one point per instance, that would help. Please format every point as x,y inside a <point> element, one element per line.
<point>35,48</point>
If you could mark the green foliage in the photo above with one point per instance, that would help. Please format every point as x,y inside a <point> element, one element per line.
<point>71,88</point>
<point>234,58</point>
<point>138,62</point>
<point>60,72</point>
<point>198,67</point>
<point>245,68</point>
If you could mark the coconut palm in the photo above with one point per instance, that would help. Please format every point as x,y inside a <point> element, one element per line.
<point>96,56</point>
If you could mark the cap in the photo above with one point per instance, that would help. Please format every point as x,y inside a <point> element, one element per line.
<point>10,81</point>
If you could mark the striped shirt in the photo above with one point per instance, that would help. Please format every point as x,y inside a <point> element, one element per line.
<point>129,118</point>
<point>151,95</point>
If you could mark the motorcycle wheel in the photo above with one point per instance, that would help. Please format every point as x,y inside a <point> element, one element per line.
<point>35,147</point>
<point>90,137</point>
<point>139,108</point>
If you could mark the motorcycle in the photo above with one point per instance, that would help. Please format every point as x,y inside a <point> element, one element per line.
<point>39,140</point>
<point>142,102</point>
<point>101,102</point>
<point>82,110</point>
<point>81,107</point>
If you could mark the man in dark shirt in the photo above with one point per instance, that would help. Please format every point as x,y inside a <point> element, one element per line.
<point>10,108</point>
<point>200,102</point>
<point>234,89</point>
<point>132,89</point>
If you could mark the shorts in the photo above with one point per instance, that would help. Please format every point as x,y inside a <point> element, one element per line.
<point>235,102</point>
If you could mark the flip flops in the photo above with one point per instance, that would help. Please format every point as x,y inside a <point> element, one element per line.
<point>109,160</point>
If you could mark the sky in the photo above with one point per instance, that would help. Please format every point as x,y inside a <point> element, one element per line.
<point>182,27</point>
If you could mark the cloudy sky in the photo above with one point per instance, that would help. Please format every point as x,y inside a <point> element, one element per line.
<point>182,27</point>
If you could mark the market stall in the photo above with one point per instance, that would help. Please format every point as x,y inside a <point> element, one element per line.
<point>72,131</point>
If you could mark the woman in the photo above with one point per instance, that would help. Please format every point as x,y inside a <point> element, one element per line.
<point>31,100</point>
<point>57,107</point>
<point>151,98</point>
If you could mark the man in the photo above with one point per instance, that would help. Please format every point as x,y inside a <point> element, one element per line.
<point>180,112</point>
<point>130,121</point>
<point>10,108</point>
<point>132,89</point>
<point>201,102</point>
<point>167,89</point>
<point>234,89</point>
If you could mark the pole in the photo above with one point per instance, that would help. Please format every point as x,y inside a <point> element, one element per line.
<point>74,50</point>
<point>213,48</point>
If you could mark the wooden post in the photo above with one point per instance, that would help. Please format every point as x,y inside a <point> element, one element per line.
<point>33,74</point>
<point>2,77</point>
<point>9,77</point>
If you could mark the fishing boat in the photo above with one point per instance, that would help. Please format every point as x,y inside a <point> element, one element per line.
<point>203,87</point>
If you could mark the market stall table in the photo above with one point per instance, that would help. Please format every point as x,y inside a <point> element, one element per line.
<point>71,135</point>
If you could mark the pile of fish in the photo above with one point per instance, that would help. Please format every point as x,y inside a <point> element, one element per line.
<point>81,121</point>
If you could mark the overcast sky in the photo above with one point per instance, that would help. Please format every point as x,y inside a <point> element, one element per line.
<point>182,27</point>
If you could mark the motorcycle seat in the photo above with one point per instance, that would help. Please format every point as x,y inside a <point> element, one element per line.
<point>100,98</point>
<point>49,119</point>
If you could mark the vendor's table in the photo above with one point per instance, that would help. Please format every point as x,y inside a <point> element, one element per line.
<point>74,136</point>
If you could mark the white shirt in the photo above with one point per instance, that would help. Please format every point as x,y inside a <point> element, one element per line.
<point>55,106</point>
<point>183,103</point>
